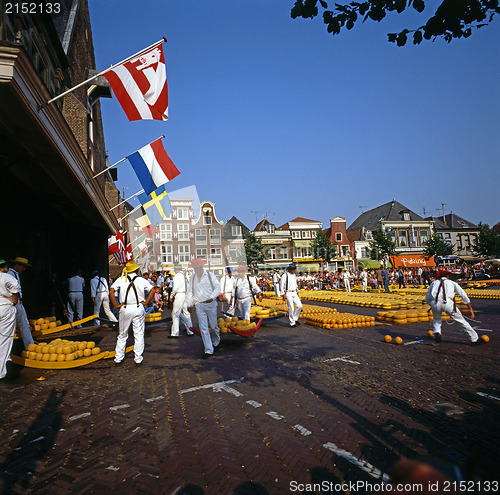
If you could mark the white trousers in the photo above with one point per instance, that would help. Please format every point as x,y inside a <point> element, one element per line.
<point>207,318</point>
<point>292,298</point>
<point>440,307</point>
<point>365,285</point>
<point>244,307</point>
<point>347,285</point>
<point>102,298</point>
<point>24,325</point>
<point>180,312</point>
<point>226,306</point>
<point>277,290</point>
<point>7,329</point>
<point>131,314</point>
<point>75,301</point>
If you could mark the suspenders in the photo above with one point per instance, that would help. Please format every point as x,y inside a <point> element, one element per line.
<point>131,285</point>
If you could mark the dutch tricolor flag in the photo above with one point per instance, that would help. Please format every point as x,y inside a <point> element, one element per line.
<point>153,166</point>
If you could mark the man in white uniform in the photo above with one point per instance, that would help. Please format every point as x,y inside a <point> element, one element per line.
<point>364,279</point>
<point>346,278</point>
<point>179,309</point>
<point>9,297</point>
<point>99,293</point>
<point>441,297</point>
<point>289,291</point>
<point>276,282</point>
<point>245,288</point>
<point>133,300</point>
<point>203,289</point>
<point>19,265</point>
<point>227,292</point>
<point>75,297</point>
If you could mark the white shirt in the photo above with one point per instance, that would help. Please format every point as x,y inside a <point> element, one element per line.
<point>276,278</point>
<point>227,284</point>
<point>243,289</point>
<point>141,285</point>
<point>8,287</point>
<point>98,285</point>
<point>292,282</point>
<point>76,284</point>
<point>346,275</point>
<point>200,290</point>
<point>450,288</point>
<point>15,274</point>
<point>180,284</point>
<point>364,275</point>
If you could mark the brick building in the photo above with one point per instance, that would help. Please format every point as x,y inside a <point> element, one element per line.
<point>346,253</point>
<point>52,212</point>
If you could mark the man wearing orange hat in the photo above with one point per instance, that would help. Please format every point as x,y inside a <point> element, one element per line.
<point>18,266</point>
<point>203,289</point>
<point>132,306</point>
<point>9,297</point>
<point>441,297</point>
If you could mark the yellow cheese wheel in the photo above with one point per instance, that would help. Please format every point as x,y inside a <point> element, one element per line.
<point>61,357</point>
<point>40,321</point>
<point>52,357</point>
<point>70,357</point>
<point>44,326</point>
<point>90,344</point>
<point>39,356</point>
<point>46,349</point>
<point>52,324</point>
<point>32,347</point>
<point>82,345</point>
<point>45,357</point>
<point>87,352</point>
<point>80,353</point>
<point>95,351</point>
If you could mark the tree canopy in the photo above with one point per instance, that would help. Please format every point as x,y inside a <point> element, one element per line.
<point>382,245</point>
<point>452,19</point>
<point>322,247</point>
<point>487,242</point>
<point>254,249</point>
<point>437,246</point>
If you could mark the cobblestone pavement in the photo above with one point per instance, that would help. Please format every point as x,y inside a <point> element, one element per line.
<point>286,406</point>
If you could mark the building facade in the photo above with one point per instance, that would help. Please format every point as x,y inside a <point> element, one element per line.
<point>277,243</point>
<point>345,257</point>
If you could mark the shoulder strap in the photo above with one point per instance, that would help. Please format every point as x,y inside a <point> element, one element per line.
<point>131,285</point>
<point>251,291</point>
<point>286,282</point>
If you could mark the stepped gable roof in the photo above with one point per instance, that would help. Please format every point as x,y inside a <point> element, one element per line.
<point>387,212</point>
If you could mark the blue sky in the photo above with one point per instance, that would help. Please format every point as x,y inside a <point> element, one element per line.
<point>273,115</point>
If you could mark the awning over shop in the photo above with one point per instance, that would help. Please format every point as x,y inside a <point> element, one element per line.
<point>301,244</point>
<point>371,264</point>
<point>412,261</point>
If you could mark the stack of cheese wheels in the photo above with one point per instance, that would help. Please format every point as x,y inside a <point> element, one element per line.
<point>153,317</point>
<point>44,323</point>
<point>60,350</point>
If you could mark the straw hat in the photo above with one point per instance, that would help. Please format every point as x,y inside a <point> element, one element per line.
<point>20,261</point>
<point>198,263</point>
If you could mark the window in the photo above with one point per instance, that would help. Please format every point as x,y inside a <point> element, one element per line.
<point>338,236</point>
<point>272,253</point>
<point>406,216</point>
<point>295,234</point>
<point>216,256</point>
<point>233,252</point>
<point>345,250</point>
<point>283,252</point>
<point>182,213</point>
<point>184,253</point>
<point>200,236</point>
<point>269,228</point>
<point>402,238</point>
<point>236,230</point>
<point>306,234</point>
<point>365,252</point>
<point>214,236</point>
<point>183,232</point>
<point>166,253</point>
<point>207,220</point>
<point>165,232</point>
<point>423,236</point>
<point>368,236</point>
<point>314,234</point>
<point>447,235</point>
<point>201,253</point>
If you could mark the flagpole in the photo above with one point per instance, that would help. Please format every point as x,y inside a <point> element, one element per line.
<point>125,200</point>
<point>118,162</point>
<point>129,213</point>
<point>164,39</point>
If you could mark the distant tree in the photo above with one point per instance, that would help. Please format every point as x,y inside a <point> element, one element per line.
<point>487,242</point>
<point>452,19</point>
<point>322,247</point>
<point>437,246</point>
<point>254,249</point>
<point>382,245</point>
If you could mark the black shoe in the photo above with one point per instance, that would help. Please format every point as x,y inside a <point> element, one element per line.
<point>297,323</point>
<point>173,336</point>
<point>118,364</point>
<point>206,355</point>
<point>437,338</point>
<point>477,342</point>
<point>293,326</point>
<point>138,364</point>
<point>216,348</point>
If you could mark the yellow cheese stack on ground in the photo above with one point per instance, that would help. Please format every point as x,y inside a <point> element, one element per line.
<point>341,320</point>
<point>60,350</point>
